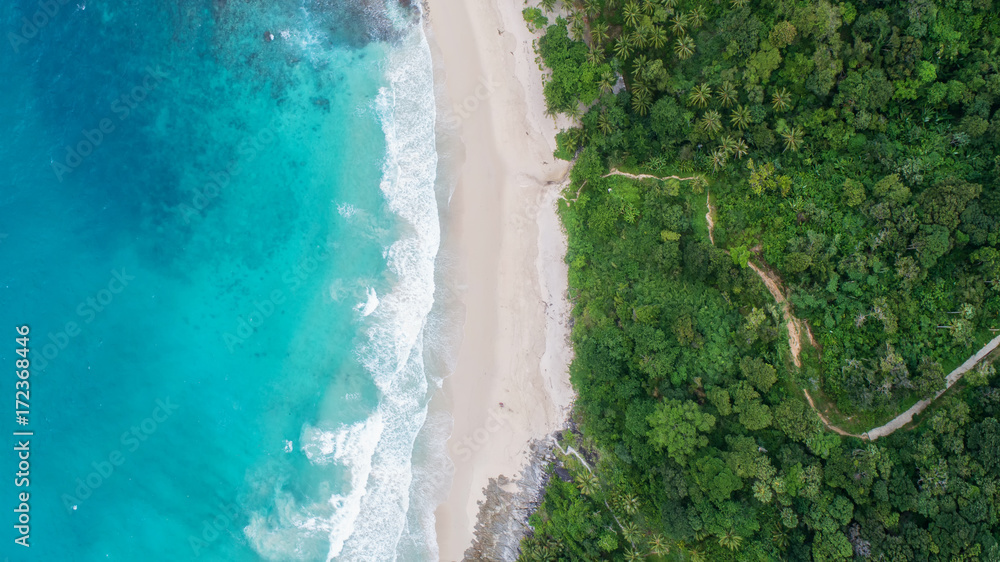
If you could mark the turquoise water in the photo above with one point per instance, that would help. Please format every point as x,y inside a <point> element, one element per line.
<point>221,229</point>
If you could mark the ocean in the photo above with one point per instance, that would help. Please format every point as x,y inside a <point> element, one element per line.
<point>219,220</point>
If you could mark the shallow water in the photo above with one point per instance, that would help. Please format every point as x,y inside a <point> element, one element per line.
<point>221,228</point>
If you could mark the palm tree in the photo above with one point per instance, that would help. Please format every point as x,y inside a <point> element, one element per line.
<point>595,56</point>
<point>547,5</point>
<point>631,531</point>
<point>779,537</point>
<point>684,47</point>
<point>639,38</point>
<point>700,95</point>
<point>781,99</point>
<point>739,3</point>
<point>793,138</point>
<point>727,94</point>
<point>588,484</point>
<point>658,546</point>
<point>599,33</point>
<point>543,551</point>
<point>640,99</point>
<point>730,540</point>
<point>604,124</point>
<point>607,82</point>
<point>552,548</point>
<point>658,37</point>
<point>623,47</point>
<point>632,13</point>
<point>697,16</point>
<point>762,492</point>
<point>648,6</point>
<point>740,150</point>
<point>593,7</point>
<point>718,159</point>
<point>679,24</point>
<point>632,555</point>
<point>577,30</point>
<point>639,65</point>
<point>711,122</point>
<point>740,117</point>
<point>727,144</point>
<point>534,553</point>
<point>629,503</point>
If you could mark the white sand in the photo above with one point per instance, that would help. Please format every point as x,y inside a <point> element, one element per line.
<point>515,347</point>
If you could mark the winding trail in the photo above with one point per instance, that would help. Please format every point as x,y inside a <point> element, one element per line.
<point>796,326</point>
<point>953,377</point>
<point>616,172</point>
<point>571,451</point>
<point>825,421</point>
<point>709,219</point>
<point>773,284</point>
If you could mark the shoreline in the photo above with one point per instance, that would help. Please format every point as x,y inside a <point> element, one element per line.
<point>509,245</point>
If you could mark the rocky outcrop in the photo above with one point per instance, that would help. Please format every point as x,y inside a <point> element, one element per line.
<point>503,515</point>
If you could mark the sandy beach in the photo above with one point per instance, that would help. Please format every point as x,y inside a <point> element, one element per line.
<point>507,236</point>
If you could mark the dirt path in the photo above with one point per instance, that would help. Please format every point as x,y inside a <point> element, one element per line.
<point>616,172</point>
<point>825,421</point>
<point>773,285</point>
<point>953,377</point>
<point>794,324</point>
<point>797,326</point>
<point>708,218</point>
<point>570,450</point>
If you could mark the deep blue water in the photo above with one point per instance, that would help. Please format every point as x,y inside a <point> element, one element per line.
<point>220,227</point>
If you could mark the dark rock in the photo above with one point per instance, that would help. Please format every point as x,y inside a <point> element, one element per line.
<point>503,516</point>
<point>563,474</point>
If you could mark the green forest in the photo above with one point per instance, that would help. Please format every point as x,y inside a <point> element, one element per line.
<point>846,151</point>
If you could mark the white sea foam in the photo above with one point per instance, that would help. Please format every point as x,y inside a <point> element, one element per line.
<point>367,517</point>
<point>297,530</point>
<point>290,532</point>
<point>369,306</point>
<point>346,210</point>
<point>393,352</point>
<point>432,473</point>
<point>354,447</point>
<point>340,446</point>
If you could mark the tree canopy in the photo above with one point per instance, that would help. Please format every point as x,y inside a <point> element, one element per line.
<point>849,151</point>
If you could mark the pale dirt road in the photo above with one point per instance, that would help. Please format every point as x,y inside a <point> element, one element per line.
<point>796,326</point>
<point>953,377</point>
<point>616,172</point>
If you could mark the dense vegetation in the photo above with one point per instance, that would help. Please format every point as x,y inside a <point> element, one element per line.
<point>849,149</point>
